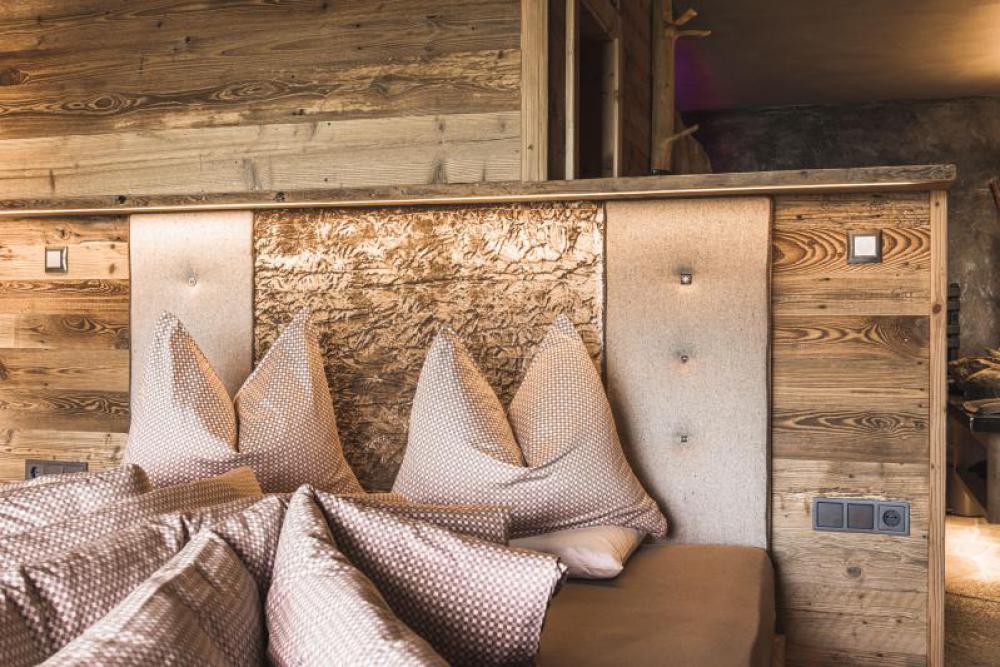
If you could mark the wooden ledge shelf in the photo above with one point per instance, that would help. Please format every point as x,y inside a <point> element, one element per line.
<point>815,181</point>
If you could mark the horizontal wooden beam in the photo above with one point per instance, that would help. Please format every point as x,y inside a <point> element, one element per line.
<point>817,181</point>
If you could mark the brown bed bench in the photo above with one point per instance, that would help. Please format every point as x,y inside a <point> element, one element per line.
<point>686,605</point>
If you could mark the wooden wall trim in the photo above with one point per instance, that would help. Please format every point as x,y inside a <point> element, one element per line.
<point>816,181</point>
<point>938,418</point>
<point>534,89</point>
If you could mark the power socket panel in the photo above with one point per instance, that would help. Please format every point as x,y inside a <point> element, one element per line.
<point>33,468</point>
<point>861,515</point>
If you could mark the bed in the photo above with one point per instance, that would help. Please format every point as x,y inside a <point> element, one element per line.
<point>696,604</point>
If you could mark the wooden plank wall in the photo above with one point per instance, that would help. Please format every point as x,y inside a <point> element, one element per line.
<point>170,96</point>
<point>636,86</point>
<point>64,342</point>
<point>851,418</point>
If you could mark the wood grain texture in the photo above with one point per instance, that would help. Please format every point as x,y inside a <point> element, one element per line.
<point>458,148</point>
<point>381,282</point>
<point>534,90</point>
<point>908,178</point>
<point>851,412</point>
<point>199,77</point>
<point>938,430</point>
<point>811,273</point>
<point>64,343</point>
<point>636,87</point>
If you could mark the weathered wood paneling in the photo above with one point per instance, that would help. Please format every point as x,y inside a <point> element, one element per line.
<point>64,343</point>
<point>851,397</point>
<point>168,96</point>
<point>636,86</point>
<point>381,282</point>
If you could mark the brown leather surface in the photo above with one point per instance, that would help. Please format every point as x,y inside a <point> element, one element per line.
<point>690,605</point>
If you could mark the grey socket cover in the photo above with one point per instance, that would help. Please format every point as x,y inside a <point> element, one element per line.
<point>861,515</point>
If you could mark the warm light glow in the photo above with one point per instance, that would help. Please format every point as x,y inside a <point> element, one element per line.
<point>973,549</point>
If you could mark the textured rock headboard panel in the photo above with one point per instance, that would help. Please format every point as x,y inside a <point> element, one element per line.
<point>382,281</point>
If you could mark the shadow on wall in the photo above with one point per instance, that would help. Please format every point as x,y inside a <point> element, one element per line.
<point>965,132</point>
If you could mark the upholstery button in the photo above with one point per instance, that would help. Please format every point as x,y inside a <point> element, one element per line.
<point>686,278</point>
<point>192,280</point>
<point>684,358</point>
<point>684,439</point>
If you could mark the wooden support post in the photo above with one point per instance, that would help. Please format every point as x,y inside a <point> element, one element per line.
<point>534,89</point>
<point>938,368</point>
<point>572,88</point>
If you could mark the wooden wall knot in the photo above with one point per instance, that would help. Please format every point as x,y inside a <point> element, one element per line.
<point>12,76</point>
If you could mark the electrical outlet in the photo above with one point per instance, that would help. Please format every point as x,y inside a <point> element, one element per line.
<point>33,469</point>
<point>860,515</point>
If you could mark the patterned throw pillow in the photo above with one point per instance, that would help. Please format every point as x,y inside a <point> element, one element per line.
<point>71,532</point>
<point>475,602</point>
<point>486,522</point>
<point>56,599</point>
<point>321,610</point>
<point>201,608</point>
<point>46,500</point>
<point>184,425</point>
<point>575,471</point>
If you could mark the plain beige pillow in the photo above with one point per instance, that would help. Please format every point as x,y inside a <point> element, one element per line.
<point>594,552</point>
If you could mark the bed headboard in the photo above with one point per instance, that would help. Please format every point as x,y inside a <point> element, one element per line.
<point>688,286</point>
<point>381,281</point>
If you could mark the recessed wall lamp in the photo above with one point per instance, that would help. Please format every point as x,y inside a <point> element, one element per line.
<point>56,259</point>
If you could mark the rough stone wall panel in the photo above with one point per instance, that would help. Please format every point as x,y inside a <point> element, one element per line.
<point>381,282</point>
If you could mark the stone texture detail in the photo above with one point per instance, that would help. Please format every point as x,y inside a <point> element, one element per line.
<point>382,281</point>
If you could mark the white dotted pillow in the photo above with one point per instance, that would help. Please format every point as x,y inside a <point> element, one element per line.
<point>184,425</point>
<point>574,473</point>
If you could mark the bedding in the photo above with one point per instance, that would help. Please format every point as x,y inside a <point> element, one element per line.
<point>486,522</point>
<point>594,552</point>
<point>58,597</point>
<point>200,608</point>
<point>475,602</point>
<point>676,604</point>
<point>321,610</point>
<point>47,500</point>
<point>461,446</point>
<point>44,542</point>
<point>281,423</point>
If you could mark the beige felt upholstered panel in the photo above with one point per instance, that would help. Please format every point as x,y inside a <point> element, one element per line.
<point>693,414</point>
<point>198,266</point>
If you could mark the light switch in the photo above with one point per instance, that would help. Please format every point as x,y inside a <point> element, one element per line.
<point>56,259</point>
<point>864,247</point>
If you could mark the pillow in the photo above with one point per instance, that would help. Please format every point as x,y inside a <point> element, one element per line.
<point>321,610</point>
<point>575,475</point>
<point>41,480</point>
<point>46,500</point>
<point>251,532</point>
<point>20,645</point>
<point>594,552</point>
<point>487,522</point>
<point>201,608</point>
<point>184,425</point>
<point>45,542</point>
<point>475,602</point>
<point>59,597</point>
